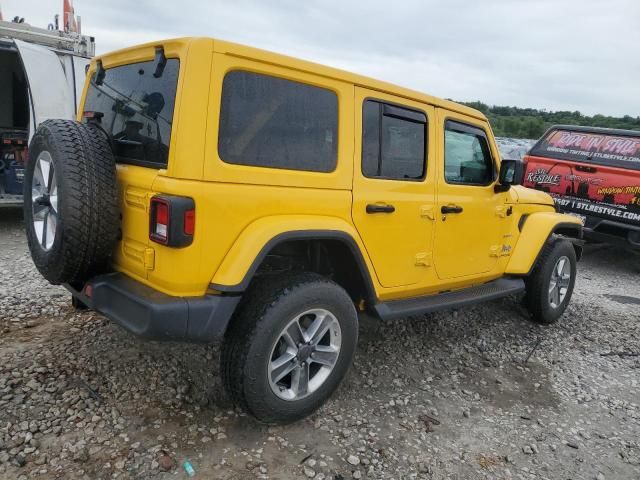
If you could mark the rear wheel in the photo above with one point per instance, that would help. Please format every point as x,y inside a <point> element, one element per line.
<point>550,285</point>
<point>289,347</point>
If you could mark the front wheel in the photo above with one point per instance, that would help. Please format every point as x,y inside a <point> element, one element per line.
<point>289,346</point>
<point>550,285</point>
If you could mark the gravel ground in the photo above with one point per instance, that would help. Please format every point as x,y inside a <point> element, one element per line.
<point>470,394</point>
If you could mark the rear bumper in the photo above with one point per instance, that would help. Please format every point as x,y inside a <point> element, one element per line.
<point>154,315</point>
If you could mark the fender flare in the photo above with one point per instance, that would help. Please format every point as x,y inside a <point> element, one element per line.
<point>268,233</point>
<point>537,230</point>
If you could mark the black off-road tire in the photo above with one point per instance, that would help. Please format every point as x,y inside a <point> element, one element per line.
<point>266,309</point>
<point>537,284</point>
<point>88,216</point>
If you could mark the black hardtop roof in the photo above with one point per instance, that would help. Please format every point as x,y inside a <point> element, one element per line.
<point>601,130</point>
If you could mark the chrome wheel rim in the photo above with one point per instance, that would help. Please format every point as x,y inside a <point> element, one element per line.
<point>559,283</point>
<point>44,200</point>
<point>304,354</point>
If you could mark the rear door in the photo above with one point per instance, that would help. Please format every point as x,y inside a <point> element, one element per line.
<point>50,95</point>
<point>134,104</point>
<point>393,186</point>
<point>589,173</point>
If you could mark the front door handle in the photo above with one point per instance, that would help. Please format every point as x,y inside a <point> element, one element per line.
<point>376,208</point>
<point>451,209</point>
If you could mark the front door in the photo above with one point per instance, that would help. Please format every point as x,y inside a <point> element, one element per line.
<point>472,218</point>
<point>393,186</point>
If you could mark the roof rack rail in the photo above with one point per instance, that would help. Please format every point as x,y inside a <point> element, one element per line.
<point>75,43</point>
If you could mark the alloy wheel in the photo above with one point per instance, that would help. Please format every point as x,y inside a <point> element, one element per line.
<point>559,282</point>
<point>304,354</point>
<point>44,200</point>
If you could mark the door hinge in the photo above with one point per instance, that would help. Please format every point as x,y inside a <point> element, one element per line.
<point>149,258</point>
<point>504,211</point>
<point>136,198</point>
<point>423,259</point>
<point>500,250</point>
<point>426,211</point>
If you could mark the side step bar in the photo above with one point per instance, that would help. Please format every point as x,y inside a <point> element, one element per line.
<point>442,301</point>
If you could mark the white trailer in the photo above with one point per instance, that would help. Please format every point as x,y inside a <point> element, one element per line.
<point>42,74</point>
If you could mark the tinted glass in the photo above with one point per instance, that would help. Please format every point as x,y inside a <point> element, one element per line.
<point>371,139</point>
<point>272,122</point>
<point>392,147</point>
<point>467,158</point>
<point>136,110</point>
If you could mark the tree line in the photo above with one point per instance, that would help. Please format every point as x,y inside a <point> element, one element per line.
<point>531,123</point>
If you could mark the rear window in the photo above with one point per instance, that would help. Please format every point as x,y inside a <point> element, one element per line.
<point>590,147</point>
<point>272,122</point>
<point>135,108</point>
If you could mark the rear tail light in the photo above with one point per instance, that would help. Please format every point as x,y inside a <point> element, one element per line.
<point>172,220</point>
<point>189,222</point>
<point>159,220</point>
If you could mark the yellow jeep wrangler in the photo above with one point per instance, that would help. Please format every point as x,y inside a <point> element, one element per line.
<point>210,191</point>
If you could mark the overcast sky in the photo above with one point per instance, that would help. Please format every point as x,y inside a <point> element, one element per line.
<point>553,54</point>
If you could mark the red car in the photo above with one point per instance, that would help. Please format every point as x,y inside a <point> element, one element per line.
<point>593,173</point>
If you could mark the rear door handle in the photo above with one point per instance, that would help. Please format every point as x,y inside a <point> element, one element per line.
<point>376,208</point>
<point>451,209</point>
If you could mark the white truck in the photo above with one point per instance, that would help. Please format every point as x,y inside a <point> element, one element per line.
<point>42,74</point>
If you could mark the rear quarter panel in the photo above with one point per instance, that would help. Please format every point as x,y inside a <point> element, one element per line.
<point>229,212</point>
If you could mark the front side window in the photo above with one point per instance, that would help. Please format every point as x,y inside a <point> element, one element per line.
<point>393,142</point>
<point>134,105</point>
<point>467,157</point>
<point>276,123</point>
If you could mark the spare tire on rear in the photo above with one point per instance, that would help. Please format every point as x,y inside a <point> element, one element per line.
<point>70,204</point>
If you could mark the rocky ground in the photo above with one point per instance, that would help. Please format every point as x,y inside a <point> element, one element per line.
<point>470,394</point>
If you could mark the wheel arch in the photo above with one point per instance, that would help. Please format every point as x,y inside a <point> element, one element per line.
<point>537,230</point>
<point>244,260</point>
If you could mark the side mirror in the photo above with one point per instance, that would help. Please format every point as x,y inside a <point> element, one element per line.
<point>511,173</point>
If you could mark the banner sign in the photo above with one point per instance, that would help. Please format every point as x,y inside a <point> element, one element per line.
<point>613,150</point>
<point>584,207</point>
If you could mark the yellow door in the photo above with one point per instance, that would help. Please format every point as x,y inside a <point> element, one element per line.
<point>134,106</point>
<point>472,218</point>
<point>134,188</point>
<point>393,185</point>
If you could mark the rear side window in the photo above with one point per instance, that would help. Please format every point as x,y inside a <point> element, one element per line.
<point>591,147</point>
<point>134,104</point>
<point>272,122</point>
<point>393,142</point>
<point>467,157</point>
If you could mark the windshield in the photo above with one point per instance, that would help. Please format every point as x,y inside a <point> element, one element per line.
<point>135,108</point>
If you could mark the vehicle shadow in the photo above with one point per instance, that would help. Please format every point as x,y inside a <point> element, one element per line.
<point>607,258</point>
<point>10,216</point>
